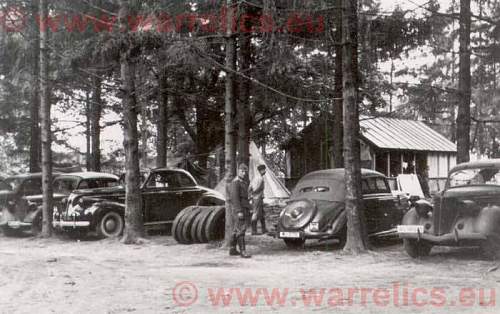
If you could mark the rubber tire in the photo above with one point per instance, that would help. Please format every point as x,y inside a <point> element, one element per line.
<point>295,244</point>
<point>416,249</point>
<point>188,225</point>
<point>342,237</point>
<point>101,229</point>
<point>201,234</point>
<point>175,224</point>
<point>196,222</point>
<point>215,228</point>
<point>180,225</point>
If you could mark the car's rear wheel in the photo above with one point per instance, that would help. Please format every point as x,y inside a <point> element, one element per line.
<point>111,225</point>
<point>295,243</point>
<point>416,248</point>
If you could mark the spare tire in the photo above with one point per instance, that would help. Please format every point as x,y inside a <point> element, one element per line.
<point>175,224</point>
<point>216,224</point>
<point>181,223</point>
<point>298,214</point>
<point>188,225</point>
<point>199,223</point>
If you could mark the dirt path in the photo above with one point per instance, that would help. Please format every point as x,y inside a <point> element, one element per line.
<point>66,276</point>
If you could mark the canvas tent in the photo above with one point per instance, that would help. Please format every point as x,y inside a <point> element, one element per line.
<point>274,189</point>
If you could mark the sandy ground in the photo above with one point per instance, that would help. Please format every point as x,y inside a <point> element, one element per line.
<point>68,276</point>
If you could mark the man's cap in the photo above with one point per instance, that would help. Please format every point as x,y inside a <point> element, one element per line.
<point>243,167</point>
<point>261,167</point>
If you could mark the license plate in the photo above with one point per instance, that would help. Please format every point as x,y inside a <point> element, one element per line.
<point>290,235</point>
<point>410,229</point>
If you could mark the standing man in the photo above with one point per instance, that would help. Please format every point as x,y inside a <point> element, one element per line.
<point>256,193</point>
<point>240,207</point>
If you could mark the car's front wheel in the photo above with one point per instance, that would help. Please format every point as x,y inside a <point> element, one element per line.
<point>416,248</point>
<point>295,243</point>
<point>111,225</point>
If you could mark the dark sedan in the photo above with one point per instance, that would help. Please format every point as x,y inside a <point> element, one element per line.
<point>317,208</point>
<point>465,213</point>
<point>164,194</point>
<point>21,198</point>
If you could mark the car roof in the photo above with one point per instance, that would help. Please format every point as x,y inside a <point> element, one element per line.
<point>338,173</point>
<point>493,163</point>
<point>26,175</point>
<point>90,175</point>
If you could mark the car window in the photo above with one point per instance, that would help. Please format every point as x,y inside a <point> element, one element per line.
<point>4,186</point>
<point>374,185</point>
<point>475,176</point>
<point>106,182</point>
<point>184,180</point>
<point>32,187</point>
<point>65,185</point>
<point>163,180</point>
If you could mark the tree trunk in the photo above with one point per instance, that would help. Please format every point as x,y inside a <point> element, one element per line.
<point>134,225</point>
<point>464,84</point>
<point>162,122</point>
<point>356,233</point>
<point>35,143</point>
<point>338,112</point>
<point>95,127</point>
<point>230,106</point>
<point>245,55</point>
<point>88,136</point>
<point>45,125</point>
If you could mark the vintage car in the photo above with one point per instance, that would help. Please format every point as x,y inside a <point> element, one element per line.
<point>164,194</point>
<point>21,201</point>
<point>317,208</point>
<point>465,213</point>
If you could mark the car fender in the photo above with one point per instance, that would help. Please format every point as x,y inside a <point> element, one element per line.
<point>31,216</point>
<point>97,210</point>
<point>339,222</point>
<point>488,221</point>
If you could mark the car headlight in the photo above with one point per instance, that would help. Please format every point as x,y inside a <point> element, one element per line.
<point>314,226</point>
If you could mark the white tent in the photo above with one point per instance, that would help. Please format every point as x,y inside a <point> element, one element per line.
<point>274,189</point>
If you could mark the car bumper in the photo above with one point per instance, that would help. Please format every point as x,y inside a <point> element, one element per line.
<point>450,239</point>
<point>70,224</point>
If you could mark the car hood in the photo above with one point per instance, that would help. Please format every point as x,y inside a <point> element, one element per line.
<point>39,198</point>
<point>479,191</point>
<point>212,192</point>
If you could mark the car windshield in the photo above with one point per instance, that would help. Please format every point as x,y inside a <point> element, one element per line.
<point>65,185</point>
<point>475,176</point>
<point>10,184</point>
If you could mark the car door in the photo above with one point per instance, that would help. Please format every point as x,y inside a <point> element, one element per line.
<point>160,197</point>
<point>379,204</point>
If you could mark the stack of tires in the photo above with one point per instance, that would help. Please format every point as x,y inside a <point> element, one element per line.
<point>199,224</point>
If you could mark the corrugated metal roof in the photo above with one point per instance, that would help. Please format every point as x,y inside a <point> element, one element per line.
<point>390,133</point>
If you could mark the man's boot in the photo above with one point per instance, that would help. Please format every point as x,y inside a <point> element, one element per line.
<point>232,250</point>
<point>263,224</point>
<point>254,227</point>
<point>242,245</point>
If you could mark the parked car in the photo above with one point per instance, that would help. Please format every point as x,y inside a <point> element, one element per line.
<point>465,213</point>
<point>164,194</point>
<point>22,200</point>
<point>317,208</point>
